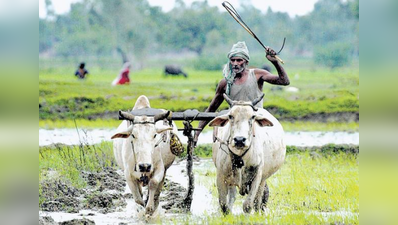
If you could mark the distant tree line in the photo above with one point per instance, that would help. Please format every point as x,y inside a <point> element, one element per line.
<point>329,33</point>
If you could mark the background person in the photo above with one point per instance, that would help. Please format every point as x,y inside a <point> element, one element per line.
<point>81,72</point>
<point>123,77</point>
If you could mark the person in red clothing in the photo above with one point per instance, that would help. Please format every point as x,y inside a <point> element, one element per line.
<point>123,77</point>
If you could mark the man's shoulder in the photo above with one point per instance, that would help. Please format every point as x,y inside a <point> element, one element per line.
<point>260,73</point>
<point>222,83</point>
<point>221,86</point>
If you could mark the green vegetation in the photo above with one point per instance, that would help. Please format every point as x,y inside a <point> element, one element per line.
<point>333,55</point>
<point>205,150</point>
<point>309,189</point>
<point>326,94</point>
<point>69,161</point>
<point>288,126</point>
<point>98,27</point>
<point>324,191</point>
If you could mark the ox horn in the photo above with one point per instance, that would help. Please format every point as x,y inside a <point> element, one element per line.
<point>162,116</point>
<point>230,101</point>
<point>257,100</point>
<point>126,116</point>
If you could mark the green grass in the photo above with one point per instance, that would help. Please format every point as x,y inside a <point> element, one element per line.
<point>62,97</point>
<point>310,188</point>
<point>112,124</point>
<point>306,190</point>
<point>69,161</point>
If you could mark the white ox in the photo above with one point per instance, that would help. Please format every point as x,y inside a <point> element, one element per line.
<point>144,154</point>
<point>248,149</point>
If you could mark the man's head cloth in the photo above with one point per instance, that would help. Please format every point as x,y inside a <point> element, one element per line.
<point>239,50</point>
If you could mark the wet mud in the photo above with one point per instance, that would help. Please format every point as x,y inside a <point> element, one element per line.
<point>104,193</point>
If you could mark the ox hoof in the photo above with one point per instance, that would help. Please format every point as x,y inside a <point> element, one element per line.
<point>140,208</point>
<point>149,210</point>
<point>247,208</point>
<point>225,210</point>
<point>244,190</point>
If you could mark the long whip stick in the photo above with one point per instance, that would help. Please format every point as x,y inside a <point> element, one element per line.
<point>231,10</point>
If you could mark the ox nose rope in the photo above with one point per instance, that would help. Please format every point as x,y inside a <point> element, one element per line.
<point>237,160</point>
<point>253,130</point>
<point>231,10</point>
<point>158,142</point>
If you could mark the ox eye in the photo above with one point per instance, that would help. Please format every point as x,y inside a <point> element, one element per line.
<point>132,135</point>
<point>154,136</point>
<point>253,117</point>
<point>230,117</point>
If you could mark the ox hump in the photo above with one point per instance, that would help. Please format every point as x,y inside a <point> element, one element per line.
<point>242,111</point>
<point>142,102</point>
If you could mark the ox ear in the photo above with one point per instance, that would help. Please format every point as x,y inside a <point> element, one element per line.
<point>219,121</point>
<point>161,128</point>
<point>263,122</point>
<point>123,134</point>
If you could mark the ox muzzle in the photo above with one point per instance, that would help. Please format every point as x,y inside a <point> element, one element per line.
<point>240,142</point>
<point>144,167</point>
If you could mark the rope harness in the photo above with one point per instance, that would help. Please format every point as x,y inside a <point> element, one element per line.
<point>129,123</point>
<point>237,161</point>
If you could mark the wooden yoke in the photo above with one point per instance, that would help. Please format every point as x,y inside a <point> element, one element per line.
<point>187,115</point>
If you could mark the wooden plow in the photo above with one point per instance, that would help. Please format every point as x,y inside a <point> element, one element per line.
<point>188,116</point>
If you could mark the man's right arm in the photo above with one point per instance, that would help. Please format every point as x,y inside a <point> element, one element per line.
<point>215,103</point>
<point>281,79</point>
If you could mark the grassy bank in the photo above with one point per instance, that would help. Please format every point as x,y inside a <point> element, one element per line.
<point>323,95</point>
<point>69,161</point>
<point>205,150</point>
<point>287,126</point>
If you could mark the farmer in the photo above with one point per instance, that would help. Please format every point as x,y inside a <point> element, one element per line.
<point>81,72</point>
<point>123,77</point>
<point>241,83</point>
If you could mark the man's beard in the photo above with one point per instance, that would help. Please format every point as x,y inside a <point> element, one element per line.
<point>240,69</point>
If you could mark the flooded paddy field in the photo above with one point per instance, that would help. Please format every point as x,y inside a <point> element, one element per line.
<point>313,187</point>
<point>94,136</point>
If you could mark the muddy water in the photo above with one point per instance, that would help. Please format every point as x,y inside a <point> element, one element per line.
<point>204,198</point>
<point>204,202</point>
<point>73,136</point>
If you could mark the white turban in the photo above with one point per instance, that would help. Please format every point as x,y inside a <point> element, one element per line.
<point>238,50</point>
